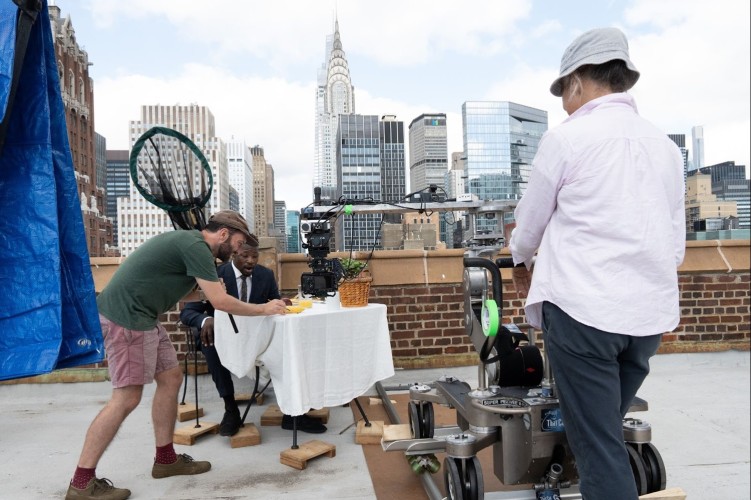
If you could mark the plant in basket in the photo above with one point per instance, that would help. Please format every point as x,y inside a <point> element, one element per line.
<point>354,287</point>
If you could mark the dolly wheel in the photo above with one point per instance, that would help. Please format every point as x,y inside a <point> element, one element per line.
<point>638,467</point>
<point>421,419</point>
<point>655,467</point>
<point>427,419</point>
<point>463,478</point>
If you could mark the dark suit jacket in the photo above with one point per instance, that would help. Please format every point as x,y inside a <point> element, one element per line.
<point>262,288</point>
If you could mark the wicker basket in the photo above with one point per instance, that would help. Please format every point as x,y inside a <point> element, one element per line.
<point>354,292</point>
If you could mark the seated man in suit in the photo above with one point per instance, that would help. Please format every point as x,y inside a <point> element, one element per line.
<point>251,282</point>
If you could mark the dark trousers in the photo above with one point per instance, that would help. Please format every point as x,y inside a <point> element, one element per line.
<point>597,375</point>
<point>221,376</point>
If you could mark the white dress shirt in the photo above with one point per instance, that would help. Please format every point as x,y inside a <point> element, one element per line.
<point>239,280</point>
<point>605,206</point>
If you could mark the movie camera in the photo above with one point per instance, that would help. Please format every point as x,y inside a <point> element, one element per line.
<point>324,278</point>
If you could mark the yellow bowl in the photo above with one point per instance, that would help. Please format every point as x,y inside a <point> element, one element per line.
<point>295,309</point>
<point>305,303</point>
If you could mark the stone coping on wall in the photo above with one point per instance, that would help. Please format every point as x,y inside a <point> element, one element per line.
<point>402,267</point>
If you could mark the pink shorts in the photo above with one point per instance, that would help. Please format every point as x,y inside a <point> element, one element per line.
<point>134,356</point>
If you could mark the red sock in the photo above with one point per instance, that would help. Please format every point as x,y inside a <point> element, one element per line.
<point>82,477</point>
<point>165,454</point>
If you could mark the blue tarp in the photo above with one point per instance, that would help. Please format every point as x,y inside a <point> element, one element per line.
<point>48,316</point>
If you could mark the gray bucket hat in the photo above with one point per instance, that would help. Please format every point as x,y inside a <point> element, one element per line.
<point>596,46</point>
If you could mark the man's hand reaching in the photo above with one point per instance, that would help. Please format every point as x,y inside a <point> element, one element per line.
<point>275,306</point>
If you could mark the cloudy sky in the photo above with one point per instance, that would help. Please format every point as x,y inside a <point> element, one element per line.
<point>254,64</point>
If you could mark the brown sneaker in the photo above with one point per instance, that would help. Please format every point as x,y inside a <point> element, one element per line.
<point>184,466</point>
<point>97,488</point>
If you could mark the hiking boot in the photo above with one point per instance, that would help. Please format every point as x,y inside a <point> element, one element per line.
<point>184,466</point>
<point>230,423</point>
<point>304,424</point>
<point>97,488</point>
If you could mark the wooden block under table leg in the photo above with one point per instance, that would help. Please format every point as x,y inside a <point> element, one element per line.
<point>187,435</point>
<point>273,415</point>
<point>307,451</point>
<point>188,411</point>
<point>248,435</point>
<point>369,435</point>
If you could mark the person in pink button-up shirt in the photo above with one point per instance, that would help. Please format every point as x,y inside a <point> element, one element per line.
<point>604,210</point>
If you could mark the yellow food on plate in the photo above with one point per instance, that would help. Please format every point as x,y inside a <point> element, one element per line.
<point>295,309</point>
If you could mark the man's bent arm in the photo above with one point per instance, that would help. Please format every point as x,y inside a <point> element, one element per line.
<point>220,299</point>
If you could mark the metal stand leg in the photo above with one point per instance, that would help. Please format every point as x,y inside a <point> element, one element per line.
<point>188,334</point>
<point>194,350</point>
<point>362,412</point>
<point>294,433</point>
<point>254,396</point>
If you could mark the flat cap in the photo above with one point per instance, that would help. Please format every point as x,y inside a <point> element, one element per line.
<point>234,220</point>
<point>596,46</point>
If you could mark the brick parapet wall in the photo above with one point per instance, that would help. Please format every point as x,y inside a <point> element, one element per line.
<point>423,292</point>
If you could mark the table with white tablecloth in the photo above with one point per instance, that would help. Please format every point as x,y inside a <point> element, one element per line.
<point>322,357</point>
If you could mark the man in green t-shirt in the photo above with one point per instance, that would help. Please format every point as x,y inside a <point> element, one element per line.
<point>147,284</point>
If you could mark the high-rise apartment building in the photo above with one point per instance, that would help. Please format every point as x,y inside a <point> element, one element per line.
<point>701,204</point>
<point>697,137</point>
<point>240,169</point>
<point>335,96</point>
<point>393,185</point>
<point>118,185</point>
<point>138,219</point>
<point>280,216</point>
<point>77,90</point>
<point>729,183</point>
<point>263,193</point>
<point>452,222</point>
<point>358,155</point>
<point>500,141</point>
<point>680,141</point>
<point>428,151</point>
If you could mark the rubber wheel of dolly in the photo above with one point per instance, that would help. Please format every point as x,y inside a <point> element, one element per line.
<point>452,479</point>
<point>639,469</point>
<point>656,476</point>
<point>427,419</point>
<point>414,420</point>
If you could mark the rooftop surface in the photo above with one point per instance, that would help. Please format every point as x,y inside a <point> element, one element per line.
<point>698,409</point>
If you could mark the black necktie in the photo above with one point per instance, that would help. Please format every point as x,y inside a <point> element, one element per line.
<point>244,289</point>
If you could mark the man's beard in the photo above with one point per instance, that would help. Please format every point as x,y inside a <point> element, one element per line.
<point>225,251</point>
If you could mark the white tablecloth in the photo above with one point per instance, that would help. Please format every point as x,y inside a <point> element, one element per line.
<point>321,357</point>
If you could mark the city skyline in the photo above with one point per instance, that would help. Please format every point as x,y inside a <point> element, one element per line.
<point>259,78</point>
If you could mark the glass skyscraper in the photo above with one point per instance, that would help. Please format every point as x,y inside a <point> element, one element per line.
<point>358,154</point>
<point>500,141</point>
<point>393,185</point>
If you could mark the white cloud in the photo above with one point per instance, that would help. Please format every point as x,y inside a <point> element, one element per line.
<point>694,59</point>
<point>266,112</point>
